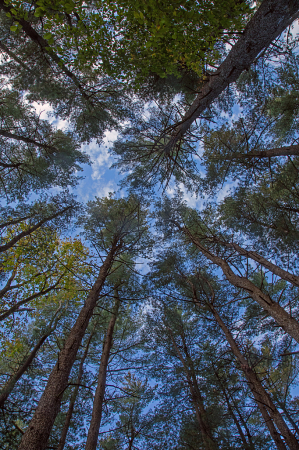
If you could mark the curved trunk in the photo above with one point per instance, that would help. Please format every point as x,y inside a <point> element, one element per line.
<point>261,397</point>
<point>279,314</point>
<point>39,429</point>
<point>30,230</point>
<point>271,19</point>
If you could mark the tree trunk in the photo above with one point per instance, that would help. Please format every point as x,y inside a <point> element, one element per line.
<point>73,399</point>
<point>30,230</point>
<point>94,427</point>
<point>261,397</point>
<point>14,56</point>
<point>271,19</point>
<point>9,386</point>
<point>39,429</point>
<point>278,151</point>
<point>234,417</point>
<point>284,274</point>
<point>279,314</point>
<point>244,424</point>
<point>16,306</point>
<point>27,140</point>
<point>197,399</point>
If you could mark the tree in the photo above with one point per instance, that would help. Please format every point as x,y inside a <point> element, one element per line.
<point>114,233</point>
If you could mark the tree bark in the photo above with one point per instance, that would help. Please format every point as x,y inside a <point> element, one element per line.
<point>94,427</point>
<point>69,414</point>
<point>284,274</point>
<point>30,230</point>
<point>39,429</point>
<point>9,386</point>
<point>271,19</point>
<point>279,314</point>
<point>288,150</point>
<point>261,397</point>
<point>197,399</point>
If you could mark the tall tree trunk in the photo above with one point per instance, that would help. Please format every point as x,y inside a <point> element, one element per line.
<point>39,429</point>
<point>234,417</point>
<point>197,399</point>
<point>279,314</point>
<point>30,230</point>
<point>261,397</point>
<point>69,413</point>
<point>9,386</point>
<point>243,423</point>
<point>94,427</point>
<point>271,19</point>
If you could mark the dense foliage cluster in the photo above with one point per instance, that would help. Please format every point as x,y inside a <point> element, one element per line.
<point>136,321</point>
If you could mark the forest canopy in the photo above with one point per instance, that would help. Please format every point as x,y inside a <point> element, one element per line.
<point>164,314</point>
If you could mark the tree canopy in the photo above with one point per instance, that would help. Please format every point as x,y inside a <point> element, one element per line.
<point>163,315</point>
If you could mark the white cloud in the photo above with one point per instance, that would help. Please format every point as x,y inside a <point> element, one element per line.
<point>103,190</point>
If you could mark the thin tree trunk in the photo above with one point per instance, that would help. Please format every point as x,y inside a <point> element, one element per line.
<point>94,427</point>
<point>16,306</point>
<point>271,19</point>
<point>261,397</point>
<point>197,399</point>
<point>44,45</point>
<point>39,429</point>
<point>277,151</point>
<point>234,417</point>
<point>27,140</point>
<point>30,230</point>
<point>284,274</point>
<point>279,314</point>
<point>73,398</point>
<point>243,423</point>
<point>9,386</point>
<point>289,417</point>
<point>14,56</point>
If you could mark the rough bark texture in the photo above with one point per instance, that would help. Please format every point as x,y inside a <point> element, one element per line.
<point>7,389</point>
<point>39,429</point>
<point>30,230</point>
<point>279,314</point>
<point>288,150</point>
<point>94,427</point>
<point>271,19</point>
<point>197,399</point>
<point>284,274</point>
<point>262,398</point>
<point>69,413</point>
